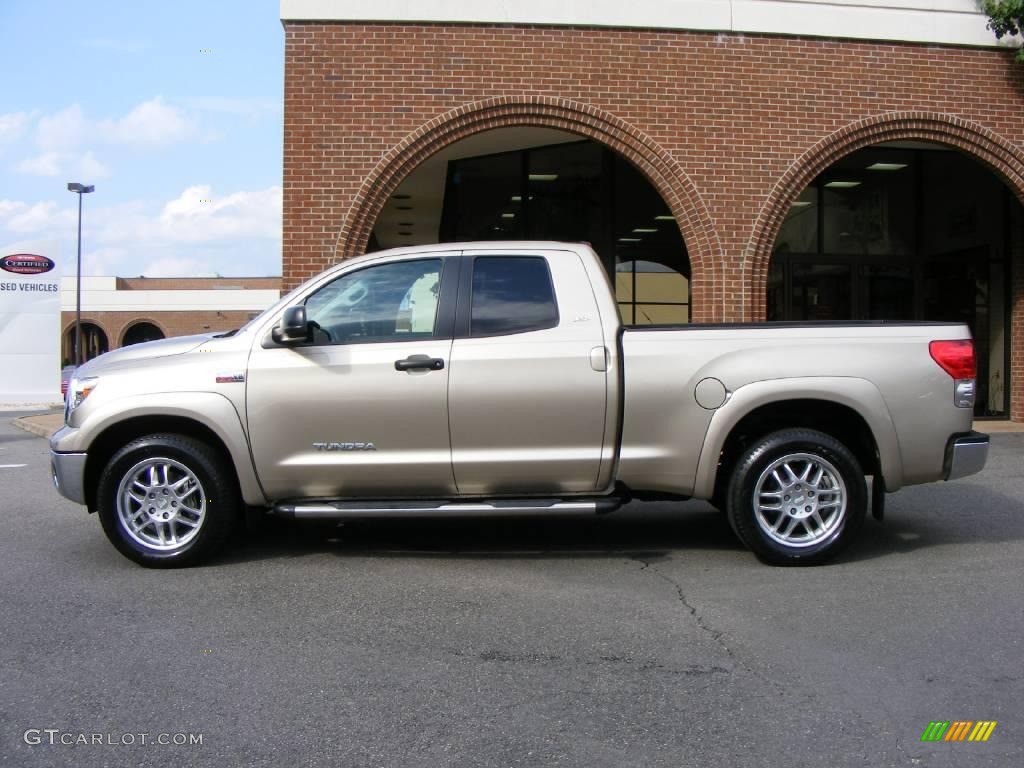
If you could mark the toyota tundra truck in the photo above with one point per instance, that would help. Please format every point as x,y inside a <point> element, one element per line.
<point>497,379</point>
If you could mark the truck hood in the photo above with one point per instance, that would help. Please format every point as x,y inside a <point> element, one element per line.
<point>147,350</point>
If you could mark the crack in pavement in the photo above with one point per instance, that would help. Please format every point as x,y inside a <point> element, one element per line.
<point>810,696</point>
<point>715,634</point>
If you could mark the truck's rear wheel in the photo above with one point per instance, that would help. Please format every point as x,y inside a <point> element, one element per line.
<point>797,497</point>
<point>166,501</point>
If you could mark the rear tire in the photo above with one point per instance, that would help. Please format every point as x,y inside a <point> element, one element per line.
<point>796,497</point>
<point>167,501</point>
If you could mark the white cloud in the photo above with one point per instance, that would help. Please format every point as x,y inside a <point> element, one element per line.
<point>237,234</point>
<point>63,130</point>
<point>189,218</point>
<point>114,44</point>
<point>86,167</point>
<point>92,169</point>
<point>151,123</point>
<point>44,217</point>
<point>8,207</point>
<point>46,164</point>
<point>13,125</point>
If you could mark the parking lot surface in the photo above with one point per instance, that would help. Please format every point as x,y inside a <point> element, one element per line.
<point>646,638</point>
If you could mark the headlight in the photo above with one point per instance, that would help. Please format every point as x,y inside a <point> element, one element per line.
<point>78,390</point>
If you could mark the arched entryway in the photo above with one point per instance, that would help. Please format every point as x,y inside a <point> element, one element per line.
<point>905,231</point>
<point>140,332</point>
<point>543,184</point>
<point>94,343</point>
<point>676,208</point>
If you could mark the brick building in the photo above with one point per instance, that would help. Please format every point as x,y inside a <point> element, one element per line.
<point>729,159</point>
<point>118,311</point>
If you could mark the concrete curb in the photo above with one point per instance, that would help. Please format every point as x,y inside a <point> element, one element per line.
<point>43,425</point>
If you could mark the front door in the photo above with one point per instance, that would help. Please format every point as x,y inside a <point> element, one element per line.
<point>360,410</point>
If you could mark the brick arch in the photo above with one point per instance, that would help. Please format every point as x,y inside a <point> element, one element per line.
<point>1002,156</point>
<point>138,321</point>
<point>657,165</point>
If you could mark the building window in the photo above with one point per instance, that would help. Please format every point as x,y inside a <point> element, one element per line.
<point>141,332</point>
<point>577,191</point>
<point>903,233</point>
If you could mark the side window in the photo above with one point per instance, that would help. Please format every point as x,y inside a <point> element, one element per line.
<point>511,294</point>
<point>389,302</point>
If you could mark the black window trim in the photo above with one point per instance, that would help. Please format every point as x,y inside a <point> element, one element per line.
<point>444,321</point>
<point>464,310</point>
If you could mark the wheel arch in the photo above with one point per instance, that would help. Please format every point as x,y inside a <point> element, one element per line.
<point>205,416</point>
<point>850,410</point>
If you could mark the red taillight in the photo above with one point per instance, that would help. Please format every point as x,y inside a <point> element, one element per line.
<point>955,357</point>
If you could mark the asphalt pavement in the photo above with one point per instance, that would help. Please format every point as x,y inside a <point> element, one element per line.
<point>646,638</point>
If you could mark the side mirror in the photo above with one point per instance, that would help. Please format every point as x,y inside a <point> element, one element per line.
<point>294,327</point>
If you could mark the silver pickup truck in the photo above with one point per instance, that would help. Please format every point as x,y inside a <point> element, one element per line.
<point>497,379</point>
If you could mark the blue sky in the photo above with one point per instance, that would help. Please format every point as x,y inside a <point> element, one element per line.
<point>183,145</point>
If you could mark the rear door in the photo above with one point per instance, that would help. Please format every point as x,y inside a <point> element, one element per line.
<point>527,386</point>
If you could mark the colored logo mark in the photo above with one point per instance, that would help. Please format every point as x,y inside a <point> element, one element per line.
<point>26,264</point>
<point>958,730</point>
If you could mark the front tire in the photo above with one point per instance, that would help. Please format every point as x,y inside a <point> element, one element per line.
<point>167,501</point>
<point>796,497</point>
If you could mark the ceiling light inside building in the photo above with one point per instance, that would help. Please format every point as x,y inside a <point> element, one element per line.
<point>842,184</point>
<point>801,204</point>
<point>630,239</point>
<point>543,176</point>
<point>645,230</point>
<point>664,218</point>
<point>886,166</point>
<point>508,215</point>
<point>517,198</point>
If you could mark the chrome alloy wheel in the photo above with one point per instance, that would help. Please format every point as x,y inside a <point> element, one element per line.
<point>800,500</point>
<point>161,504</point>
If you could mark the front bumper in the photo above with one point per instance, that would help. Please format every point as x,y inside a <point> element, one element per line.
<point>68,470</point>
<point>965,455</point>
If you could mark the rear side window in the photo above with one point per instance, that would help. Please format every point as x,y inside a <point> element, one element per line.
<point>512,294</point>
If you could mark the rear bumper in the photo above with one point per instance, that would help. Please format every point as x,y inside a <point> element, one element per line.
<point>68,470</point>
<point>965,455</point>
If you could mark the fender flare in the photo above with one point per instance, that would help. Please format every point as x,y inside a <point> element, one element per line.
<point>860,395</point>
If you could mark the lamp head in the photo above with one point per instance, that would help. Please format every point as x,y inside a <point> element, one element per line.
<point>74,186</point>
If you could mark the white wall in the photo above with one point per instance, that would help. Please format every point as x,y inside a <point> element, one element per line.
<point>953,22</point>
<point>100,294</point>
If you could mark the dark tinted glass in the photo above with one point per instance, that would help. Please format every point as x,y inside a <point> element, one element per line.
<point>512,294</point>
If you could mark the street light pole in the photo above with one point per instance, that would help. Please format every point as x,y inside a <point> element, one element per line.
<point>81,189</point>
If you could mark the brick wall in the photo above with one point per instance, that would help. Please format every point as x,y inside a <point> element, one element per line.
<point>114,324</point>
<point>728,127</point>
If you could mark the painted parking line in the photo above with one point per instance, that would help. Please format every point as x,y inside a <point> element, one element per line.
<point>12,466</point>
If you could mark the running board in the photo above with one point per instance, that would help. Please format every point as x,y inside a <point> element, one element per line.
<point>342,510</point>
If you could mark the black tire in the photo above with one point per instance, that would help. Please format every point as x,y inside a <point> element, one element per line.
<point>217,489</point>
<point>819,543</point>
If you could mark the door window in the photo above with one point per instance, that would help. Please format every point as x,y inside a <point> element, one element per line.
<point>388,302</point>
<point>512,294</point>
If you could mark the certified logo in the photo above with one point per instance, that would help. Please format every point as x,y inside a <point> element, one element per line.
<point>26,264</point>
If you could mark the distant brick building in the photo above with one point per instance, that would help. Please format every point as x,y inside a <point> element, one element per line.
<point>811,159</point>
<point>117,311</point>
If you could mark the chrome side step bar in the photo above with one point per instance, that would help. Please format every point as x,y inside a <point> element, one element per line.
<point>342,510</point>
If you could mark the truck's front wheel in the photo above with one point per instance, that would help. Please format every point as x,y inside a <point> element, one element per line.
<point>796,497</point>
<point>166,501</point>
